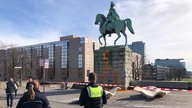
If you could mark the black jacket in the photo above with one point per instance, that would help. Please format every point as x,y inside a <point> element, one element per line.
<point>39,97</point>
<point>86,101</point>
<point>10,87</point>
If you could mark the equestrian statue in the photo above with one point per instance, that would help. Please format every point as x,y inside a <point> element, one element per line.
<point>113,24</point>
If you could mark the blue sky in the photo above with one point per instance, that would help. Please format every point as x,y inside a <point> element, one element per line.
<point>164,25</point>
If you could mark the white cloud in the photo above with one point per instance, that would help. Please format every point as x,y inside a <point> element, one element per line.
<point>164,25</point>
<point>19,40</point>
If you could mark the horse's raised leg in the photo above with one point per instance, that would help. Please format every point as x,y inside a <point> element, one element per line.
<point>99,39</point>
<point>119,35</point>
<point>125,37</point>
<point>103,38</point>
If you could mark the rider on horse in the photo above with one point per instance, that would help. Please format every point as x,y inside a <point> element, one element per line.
<point>112,16</point>
<point>113,24</point>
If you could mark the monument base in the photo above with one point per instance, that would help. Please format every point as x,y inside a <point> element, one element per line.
<point>113,65</point>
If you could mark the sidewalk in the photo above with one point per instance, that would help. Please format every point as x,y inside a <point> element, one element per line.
<point>126,99</point>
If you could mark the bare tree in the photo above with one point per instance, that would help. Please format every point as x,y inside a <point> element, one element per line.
<point>137,68</point>
<point>170,74</point>
<point>179,74</point>
<point>13,57</point>
<point>4,59</point>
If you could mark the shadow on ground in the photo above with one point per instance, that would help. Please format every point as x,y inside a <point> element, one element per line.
<point>62,92</point>
<point>137,97</point>
<point>57,92</point>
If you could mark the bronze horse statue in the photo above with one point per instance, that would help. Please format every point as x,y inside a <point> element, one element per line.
<point>118,26</point>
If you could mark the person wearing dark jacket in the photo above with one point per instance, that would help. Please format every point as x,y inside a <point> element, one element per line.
<point>10,89</point>
<point>29,82</point>
<point>33,98</point>
<point>92,96</point>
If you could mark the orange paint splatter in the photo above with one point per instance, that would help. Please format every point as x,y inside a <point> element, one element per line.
<point>106,60</point>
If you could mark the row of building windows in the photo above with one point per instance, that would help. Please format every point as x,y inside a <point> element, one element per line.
<point>83,40</point>
<point>80,61</point>
<point>64,54</point>
<point>51,50</point>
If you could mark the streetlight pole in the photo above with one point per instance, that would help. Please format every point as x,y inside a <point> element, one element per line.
<point>20,84</point>
<point>21,72</point>
<point>45,64</point>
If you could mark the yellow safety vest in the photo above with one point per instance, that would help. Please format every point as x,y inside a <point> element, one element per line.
<point>95,92</point>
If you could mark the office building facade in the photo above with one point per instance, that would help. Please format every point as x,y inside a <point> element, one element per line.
<point>138,47</point>
<point>70,59</point>
<point>172,63</point>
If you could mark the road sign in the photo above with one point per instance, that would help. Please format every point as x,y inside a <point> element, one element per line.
<point>41,62</point>
<point>46,64</point>
<point>18,67</point>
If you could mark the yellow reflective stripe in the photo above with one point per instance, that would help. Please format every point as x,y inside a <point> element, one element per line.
<point>94,92</point>
<point>88,90</point>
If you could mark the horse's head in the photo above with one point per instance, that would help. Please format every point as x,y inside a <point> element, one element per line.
<point>100,18</point>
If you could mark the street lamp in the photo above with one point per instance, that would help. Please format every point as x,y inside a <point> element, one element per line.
<point>21,60</point>
<point>21,69</point>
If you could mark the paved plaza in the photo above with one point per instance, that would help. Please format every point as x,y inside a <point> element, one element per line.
<point>123,99</point>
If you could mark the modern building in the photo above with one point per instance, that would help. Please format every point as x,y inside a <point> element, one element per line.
<point>162,73</point>
<point>177,69</point>
<point>138,47</point>
<point>188,74</point>
<point>164,69</point>
<point>155,72</point>
<point>69,59</point>
<point>172,63</point>
<point>149,72</point>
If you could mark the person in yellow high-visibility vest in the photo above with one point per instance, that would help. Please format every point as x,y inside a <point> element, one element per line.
<point>92,96</point>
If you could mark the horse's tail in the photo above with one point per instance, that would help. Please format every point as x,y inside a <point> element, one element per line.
<point>129,25</point>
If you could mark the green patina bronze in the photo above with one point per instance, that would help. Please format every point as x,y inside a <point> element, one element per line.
<point>113,24</point>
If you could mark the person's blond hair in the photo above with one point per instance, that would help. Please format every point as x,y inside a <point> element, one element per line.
<point>33,86</point>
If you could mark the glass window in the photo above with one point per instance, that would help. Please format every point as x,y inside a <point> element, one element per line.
<point>51,53</point>
<point>64,54</point>
<point>80,49</point>
<point>82,40</point>
<point>80,61</point>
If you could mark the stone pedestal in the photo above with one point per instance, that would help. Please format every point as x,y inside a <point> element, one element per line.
<point>113,65</point>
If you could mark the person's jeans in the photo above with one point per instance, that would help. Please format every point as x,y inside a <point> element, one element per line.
<point>9,99</point>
